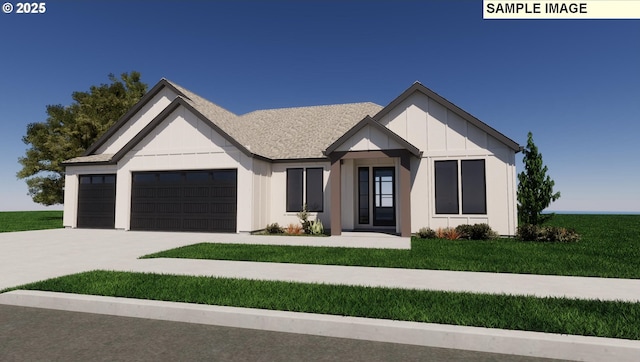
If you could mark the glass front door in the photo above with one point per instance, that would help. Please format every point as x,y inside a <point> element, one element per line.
<point>384,201</point>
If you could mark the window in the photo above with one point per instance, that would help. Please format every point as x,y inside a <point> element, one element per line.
<point>473,186</point>
<point>313,189</point>
<point>446,187</point>
<point>474,200</point>
<point>294,189</point>
<point>363,195</point>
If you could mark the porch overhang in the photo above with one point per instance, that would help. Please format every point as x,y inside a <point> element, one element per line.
<point>404,185</point>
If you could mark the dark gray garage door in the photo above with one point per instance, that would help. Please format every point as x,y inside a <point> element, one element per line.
<point>97,201</point>
<point>184,201</point>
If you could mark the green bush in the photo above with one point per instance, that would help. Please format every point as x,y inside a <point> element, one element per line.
<point>426,233</point>
<point>476,232</point>
<point>317,228</point>
<point>529,232</point>
<point>274,228</point>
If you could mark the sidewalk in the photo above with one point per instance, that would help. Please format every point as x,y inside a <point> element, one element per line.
<point>456,281</point>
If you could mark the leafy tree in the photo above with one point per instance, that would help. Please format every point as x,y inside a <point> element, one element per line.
<point>535,190</point>
<point>69,131</point>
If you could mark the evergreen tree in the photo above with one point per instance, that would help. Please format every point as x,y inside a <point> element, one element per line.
<point>69,131</point>
<point>535,190</point>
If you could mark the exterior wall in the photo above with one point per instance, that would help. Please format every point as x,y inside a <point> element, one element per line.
<point>184,142</point>
<point>71,184</point>
<point>261,192</point>
<point>443,135</point>
<point>150,110</point>
<point>278,195</point>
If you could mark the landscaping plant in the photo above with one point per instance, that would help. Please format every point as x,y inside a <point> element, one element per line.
<point>274,229</point>
<point>426,233</point>
<point>304,219</point>
<point>535,187</point>
<point>476,232</point>
<point>294,229</point>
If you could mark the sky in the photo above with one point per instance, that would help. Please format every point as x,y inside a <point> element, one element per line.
<point>574,83</point>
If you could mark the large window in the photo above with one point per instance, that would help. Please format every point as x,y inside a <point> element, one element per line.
<point>472,186</point>
<point>313,189</point>
<point>474,200</point>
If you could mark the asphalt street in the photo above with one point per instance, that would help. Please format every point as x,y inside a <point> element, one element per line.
<point>33,334</point>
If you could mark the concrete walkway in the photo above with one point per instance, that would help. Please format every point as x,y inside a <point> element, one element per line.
<point>31,256</point>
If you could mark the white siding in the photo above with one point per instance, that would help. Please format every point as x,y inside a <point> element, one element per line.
<point>150,110</point>
<point>261,194</point>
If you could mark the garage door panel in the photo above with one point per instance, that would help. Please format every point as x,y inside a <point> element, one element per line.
<point>97,201</point>
<point>184,201</point>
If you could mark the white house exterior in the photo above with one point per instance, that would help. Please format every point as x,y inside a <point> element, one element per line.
<point>178,162</point>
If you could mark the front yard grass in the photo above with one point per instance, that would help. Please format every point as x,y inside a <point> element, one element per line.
<point>551,315</point>
<point>610,247</point>
<point>30,220</point>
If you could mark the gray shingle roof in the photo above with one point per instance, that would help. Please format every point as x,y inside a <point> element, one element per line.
<point>105,157</point>
<point>285,133</point>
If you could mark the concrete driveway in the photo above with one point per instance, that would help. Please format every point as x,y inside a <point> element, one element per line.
<point>31,256</point>
<point>36,255</point>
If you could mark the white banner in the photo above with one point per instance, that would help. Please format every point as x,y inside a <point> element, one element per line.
<point>556,9</point>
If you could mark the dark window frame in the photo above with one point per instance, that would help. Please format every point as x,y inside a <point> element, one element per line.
<point>304,185</point>
<point>473,203</point>
<point>314,183</point>
<point>443,194</point>
<point>462,202</point>
<point>290,189</point>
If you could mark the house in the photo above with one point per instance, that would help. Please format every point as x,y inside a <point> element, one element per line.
<point>178,162</point>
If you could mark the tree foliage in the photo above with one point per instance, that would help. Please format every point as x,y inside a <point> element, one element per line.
<point>535,190</point>
<point>70,130</point>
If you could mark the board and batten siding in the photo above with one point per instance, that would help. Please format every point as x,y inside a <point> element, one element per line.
<point>441,134</point>
<point>261,194</point>
<point>138,121</point>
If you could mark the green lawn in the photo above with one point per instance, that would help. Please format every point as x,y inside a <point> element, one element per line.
<point>30,220</point>
<point>610,247</point>
<point>552,315</point>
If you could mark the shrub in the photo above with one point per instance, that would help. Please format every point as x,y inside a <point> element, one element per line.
<point>304,219</point>
<point>447,233</point>
<point>529,232</point>
<point>476,232</point>
<point>426,233</point>
<point>317,228</point>
<point>274,229</point>
<point>294,229</point>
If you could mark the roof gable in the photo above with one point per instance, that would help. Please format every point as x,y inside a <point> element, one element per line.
<point>132,112</point>
<point>418,87</point>
<point>370,122</point>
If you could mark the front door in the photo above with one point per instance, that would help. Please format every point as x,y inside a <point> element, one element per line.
<point>384,200</point>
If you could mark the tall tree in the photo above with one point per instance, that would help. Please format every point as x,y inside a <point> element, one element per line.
<point>69,131</point>
<point>535,190</point>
